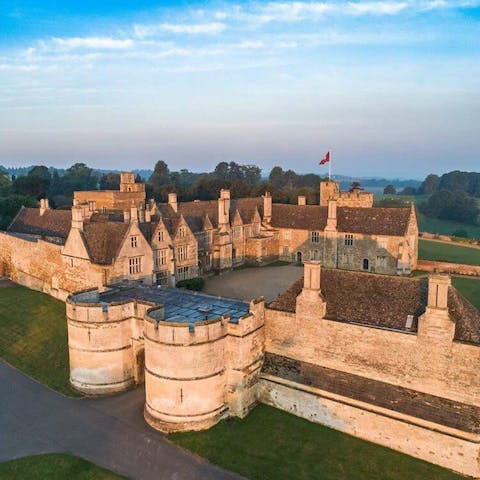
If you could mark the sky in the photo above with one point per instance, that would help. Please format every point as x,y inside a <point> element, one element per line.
<point>391,87</point>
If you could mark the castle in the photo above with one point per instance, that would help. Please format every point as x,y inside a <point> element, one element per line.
<point>353,344</point>
<point>117,235</point>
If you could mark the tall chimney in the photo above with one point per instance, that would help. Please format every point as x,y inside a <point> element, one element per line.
<point>331,216</point>
<point>172,201</point>
<point>267,208</point>
<point>43,205</point>
<point>302,200</point>
<point>126,216</point>
<point>77,217</point>
<point>133,214</point>
<point>311,275</point>
<point>224,209</point>
<point>438,291</point>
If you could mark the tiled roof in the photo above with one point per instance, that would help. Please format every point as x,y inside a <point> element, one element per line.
<point>374,221</point>
<point>53,223</point>
<point>383,301</point>
<point>103,240</point>
<point>403,400</point>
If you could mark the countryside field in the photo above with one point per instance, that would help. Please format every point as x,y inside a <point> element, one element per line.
<point>445,252</point>
<point>262,446</point>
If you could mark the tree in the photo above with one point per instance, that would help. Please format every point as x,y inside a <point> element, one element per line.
<point>110,181</point>
<point>389,190</point>
<point>221,171</point>
<point>40,171</point>
<point>79,177</point>
<point>160,175</point>
<point>276,176</point>
<point>10,205</point>
<point>408,191</point>
<point>31,186</point>
<point>252,174</point>
<point>429,185</point>
<point>456,206</point>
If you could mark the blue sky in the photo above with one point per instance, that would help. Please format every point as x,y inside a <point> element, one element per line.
<point>392,87</point>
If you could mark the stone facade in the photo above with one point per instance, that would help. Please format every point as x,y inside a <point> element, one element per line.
<point>354,197</point>
<point>392,360</point>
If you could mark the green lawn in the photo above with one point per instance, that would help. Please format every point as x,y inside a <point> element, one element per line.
<point>54,466</point>
<point>271,444</point>
<point>469,288</point>
<point>444,252</point>
<point>33,336</point>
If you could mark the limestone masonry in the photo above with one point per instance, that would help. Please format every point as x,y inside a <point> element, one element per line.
<point>353,344</point>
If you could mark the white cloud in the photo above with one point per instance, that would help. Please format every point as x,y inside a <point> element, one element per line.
<point>98,43</point>
<point>377,8</point>
<point>211,28</point>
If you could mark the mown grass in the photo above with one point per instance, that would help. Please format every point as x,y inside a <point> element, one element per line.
<point>444,252</point>
<point>33,336</point>
<point>469,288</point>
<point>54,466</point>
<point>270,444</point>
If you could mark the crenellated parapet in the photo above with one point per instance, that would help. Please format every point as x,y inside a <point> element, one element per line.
<point>105,343</point>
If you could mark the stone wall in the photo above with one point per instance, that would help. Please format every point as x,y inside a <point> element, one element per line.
<point>450,448</point>
<point>39,265</point>
<point>104,342</point>
<point>447,267</point>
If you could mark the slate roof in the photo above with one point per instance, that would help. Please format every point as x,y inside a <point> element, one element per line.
<point>410,402</point>
<point>53,223</point>
<point>103,240</point>
<point>374,221</point>
<point>382,301</point>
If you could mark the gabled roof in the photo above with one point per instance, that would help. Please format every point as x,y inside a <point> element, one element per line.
<point>103,240</point>
<point>373,221</point>
<point>382,301</point>
<point>53,223</point>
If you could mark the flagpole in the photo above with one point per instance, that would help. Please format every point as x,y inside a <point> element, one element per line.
<point>330,165</point>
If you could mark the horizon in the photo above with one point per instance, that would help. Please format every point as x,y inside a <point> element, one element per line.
<point>390,86</point>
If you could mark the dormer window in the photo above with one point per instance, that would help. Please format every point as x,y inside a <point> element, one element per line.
<point>133,241</point>
<point>160,236</point>
<point>182,232</point>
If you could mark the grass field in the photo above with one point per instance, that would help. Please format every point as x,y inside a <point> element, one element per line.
<point>33,336</point>
<point>270,444</point>
<point>469,288</point>
<point>54,466</point>
<point>444,252</point>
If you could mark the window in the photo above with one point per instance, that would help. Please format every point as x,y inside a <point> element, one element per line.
<point>162,278</point>
<point>182,253</point>
<point>237,232</point>
<point>382,242</point>
<point>209,237</point>
<point>135,265</point>
<point>71,262</point>
<point>348,240</point>
<point>182,273</point>
<point>208,260</point>
<point>381,261</point>
<point>315,237</point>
<point>365,264</point>
<point>133,241</point>
<point>248,232</point>
<point>160,257</point>
<point>286,251</point>
<point>182,232</point>
<point>91,206</point>
<point>287,235</point>
<point>160,236</point>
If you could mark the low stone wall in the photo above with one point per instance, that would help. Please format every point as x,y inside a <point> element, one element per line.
<point>448,447</point>
<point>447,267</point>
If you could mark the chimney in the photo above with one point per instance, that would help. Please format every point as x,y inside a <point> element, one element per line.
<point>77,217</point>
<point>141,213</point>
<point>148,216</point>
<point>43,205</point>
<point>133,214</point>
<point>224,209</point>
<point>302,200</point>
<point>311,275</point>
<point>126,216</point>
<point>331,216</point>
<point>172,201</point>
<point>267,208</point>
<point>438,291</point>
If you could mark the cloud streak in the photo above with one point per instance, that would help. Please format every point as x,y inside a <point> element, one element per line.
<point>211,28</point>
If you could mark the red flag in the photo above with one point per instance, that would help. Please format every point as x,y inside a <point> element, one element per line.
<point>325,159</point>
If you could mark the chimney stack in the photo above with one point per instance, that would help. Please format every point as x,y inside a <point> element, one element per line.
<point>172,201</point>
<point>438,291</point>
<point>43,205</point>
<point>331,216</point>
<point>133,214</point>
<point>224,209</point>
<point>126,216</point>
<point>77,217</point>
<point>302,200</point>
<point>141,213</point>
<point>267,208</point>
<point>311,275</point>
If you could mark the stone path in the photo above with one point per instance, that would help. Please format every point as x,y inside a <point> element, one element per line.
<point>253,282</point>
<point>109,432</point>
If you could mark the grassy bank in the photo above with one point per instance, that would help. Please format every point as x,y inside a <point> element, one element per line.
<point>270,444</point>
<point>33,336</point>
<point>469,288</point>
<point>54,466</point>
<point>444,252</point>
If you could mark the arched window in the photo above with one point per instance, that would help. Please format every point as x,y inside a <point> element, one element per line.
<point>299,257</point>
<point>366,264</point>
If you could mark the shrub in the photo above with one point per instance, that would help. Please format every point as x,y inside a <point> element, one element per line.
<point>196,284</point>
